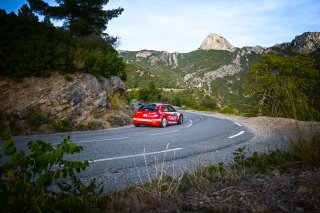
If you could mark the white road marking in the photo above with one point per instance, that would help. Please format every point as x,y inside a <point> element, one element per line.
<point>190,123</point>
<point>236,135</point>
<point>137,155</point>
<point>237,123</point>
<point>162,133</point>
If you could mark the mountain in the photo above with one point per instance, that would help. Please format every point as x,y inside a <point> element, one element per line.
<point>215,42</point>
<point>306,43</point>
<point>216,69</point>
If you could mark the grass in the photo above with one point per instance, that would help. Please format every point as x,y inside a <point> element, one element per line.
<point>165,192</point>
<point>306,150</point>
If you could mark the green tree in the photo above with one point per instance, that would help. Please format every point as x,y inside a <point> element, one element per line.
<point>282,83</point>
<point>29,47</point>
<point>81,17</point>
<point>32,48</point>
<point>150,93</point>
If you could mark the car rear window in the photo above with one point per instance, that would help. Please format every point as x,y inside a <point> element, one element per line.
<point>149,107</point>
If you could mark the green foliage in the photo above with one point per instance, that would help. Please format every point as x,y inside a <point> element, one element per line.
<point>63,125</point>
<point>32,48</point>
<point>96,57</point>
<point>208,103</point>
<point>35,116</point>
<point>264,162</point>
<point>142,75</point>
<point>190,99</point>
<point>81,18</point>
<point>227,110</point>
<point>91,125</point>
<point>239,157</point>
<point>285,85</point>
<point>27,180</point>
<point>150,93</point>
<point>29,47</point>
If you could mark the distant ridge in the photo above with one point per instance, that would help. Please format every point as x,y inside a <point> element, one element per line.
<point>306,43</point>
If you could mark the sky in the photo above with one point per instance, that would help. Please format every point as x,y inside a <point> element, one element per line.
<point>182,25</point>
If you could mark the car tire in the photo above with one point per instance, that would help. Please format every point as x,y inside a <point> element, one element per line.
<point>180,122</point>
<point>136,125</point>
<point>163,123</point>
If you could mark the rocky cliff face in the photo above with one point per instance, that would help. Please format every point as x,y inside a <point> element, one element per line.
<point>82,100</point>
<point>216,42</point>
<point>306,43</point>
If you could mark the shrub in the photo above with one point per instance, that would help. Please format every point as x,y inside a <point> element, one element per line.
<point>208,103</point>
<point>265,162</point>
<point>63,125</point>
<point>91,125</point>
<point>27,180</point>
<point>227,110</point>
<point>306,150</point>
<point>35,117</point>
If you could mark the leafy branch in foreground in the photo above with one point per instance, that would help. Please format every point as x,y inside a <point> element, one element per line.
<point>43,180</point>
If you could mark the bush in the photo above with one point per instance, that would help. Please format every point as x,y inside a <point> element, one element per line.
<point>306,150</point>
<point>208,103</point>
<point>35,117</point>
<point>91,125</point>
<point>63,125</point>
<point>27,180</point>
<point>265,162</point>
<point>227,110</point>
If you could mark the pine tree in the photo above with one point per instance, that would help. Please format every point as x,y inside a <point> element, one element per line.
<point>81,17</point>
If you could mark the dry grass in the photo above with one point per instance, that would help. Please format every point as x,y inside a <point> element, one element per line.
<point>181,193</point>
<point>306,149</point>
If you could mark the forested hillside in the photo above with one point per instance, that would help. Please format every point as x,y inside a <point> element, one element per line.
<point>29,47</point>
<point>235,80</point>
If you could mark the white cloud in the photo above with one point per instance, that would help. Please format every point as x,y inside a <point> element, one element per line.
<point>182,25</point>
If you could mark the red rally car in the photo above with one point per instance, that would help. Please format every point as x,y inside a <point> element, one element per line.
<point>157,115</point>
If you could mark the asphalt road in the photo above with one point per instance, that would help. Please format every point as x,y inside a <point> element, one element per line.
<point>132,155</point>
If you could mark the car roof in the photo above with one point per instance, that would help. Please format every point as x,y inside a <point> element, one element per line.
<point>162,104</point>
<point>158,104</point>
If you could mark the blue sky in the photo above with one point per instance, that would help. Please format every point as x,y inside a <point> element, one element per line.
<point>181,25</point>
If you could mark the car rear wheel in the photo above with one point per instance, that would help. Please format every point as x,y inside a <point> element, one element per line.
<point>136,125</point>
<point>163,122</point>
<point>180,122</point>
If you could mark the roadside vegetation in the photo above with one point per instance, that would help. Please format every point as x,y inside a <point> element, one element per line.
<point>285,86</point>
<point>42,180</point>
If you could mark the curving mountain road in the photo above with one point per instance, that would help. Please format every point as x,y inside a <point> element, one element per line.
<point>130,155</point>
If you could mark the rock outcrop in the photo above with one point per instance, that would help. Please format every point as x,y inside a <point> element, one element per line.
<point>216,42</point>
<point>82,99</point>
<point>305,43</point>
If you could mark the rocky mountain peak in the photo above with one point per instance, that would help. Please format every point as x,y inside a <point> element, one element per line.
<point>216,42</point>
<point>306,43</point>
